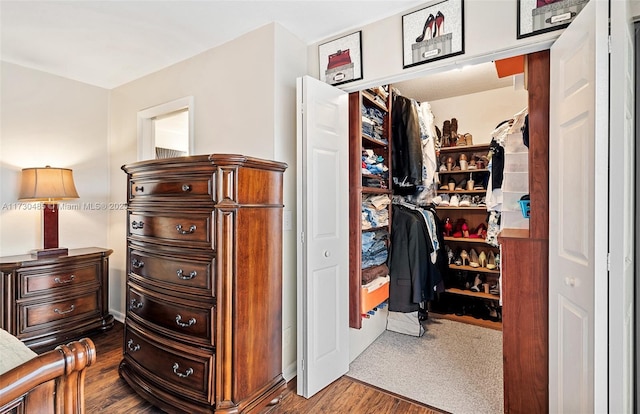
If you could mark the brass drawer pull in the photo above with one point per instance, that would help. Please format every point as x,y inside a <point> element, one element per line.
<point>188,372</point>
<point>137,264</point>
<point>181,324</point>
<point>133,347</point>
<point>139,189</point>
<point>63,281</point>
<point>186,187</point>
<point>190,276</point>
<point>137,225</point>
<point>192,228</point>
<point>135,304</point>
<point>59,312</point>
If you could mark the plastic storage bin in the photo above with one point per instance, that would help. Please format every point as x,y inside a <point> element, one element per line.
<point>525,206</point>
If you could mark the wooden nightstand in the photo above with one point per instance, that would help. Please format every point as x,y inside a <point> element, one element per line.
<point>48,301</point>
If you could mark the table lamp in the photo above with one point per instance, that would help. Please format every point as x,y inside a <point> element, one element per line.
<point>48,185</point>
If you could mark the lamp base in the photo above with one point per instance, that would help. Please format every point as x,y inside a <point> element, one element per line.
<point>58,251</point>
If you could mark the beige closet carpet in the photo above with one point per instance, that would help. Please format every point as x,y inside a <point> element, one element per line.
<point>454,366</point>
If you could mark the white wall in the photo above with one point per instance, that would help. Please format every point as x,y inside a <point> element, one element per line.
<point>49,120</point>
<point>489,34</point>
<point>244,99</point>
<point>480,113</point>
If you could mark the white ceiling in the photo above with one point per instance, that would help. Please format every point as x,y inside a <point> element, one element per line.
<point>109,43</point>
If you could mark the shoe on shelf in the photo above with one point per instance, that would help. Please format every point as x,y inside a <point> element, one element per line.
<point>473,258</point>
<point>495,289</point>
<point>446,133</point>
<point>464,257</point>
<point>491,261</point>
<point>454,132</point>
<point>462,160</point>
<point>465,201</point>
<point>465,230</point>
<point>480,232</point>
<point>448,227</point>
<point>445,200</point>
<point>450,255</point>
<point>457,228</point>
<point>482,259</point>
<point>450,164</point>
<point>477,284</point>
<point>454,202</point>
<point>461,185</point>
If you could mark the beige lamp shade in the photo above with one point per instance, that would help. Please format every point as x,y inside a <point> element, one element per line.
<point>47,184</point>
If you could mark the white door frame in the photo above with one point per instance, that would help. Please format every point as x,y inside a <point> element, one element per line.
<point>146,132</point>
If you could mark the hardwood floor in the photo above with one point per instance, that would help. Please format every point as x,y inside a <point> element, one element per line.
<point>106,392</point>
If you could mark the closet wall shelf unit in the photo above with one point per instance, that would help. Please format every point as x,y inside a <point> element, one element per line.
<point>458,302</point>
<point>369,137</point>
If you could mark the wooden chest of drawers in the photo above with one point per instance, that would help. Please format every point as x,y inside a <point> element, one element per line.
<point>204,260</point>
<point>48,301</point>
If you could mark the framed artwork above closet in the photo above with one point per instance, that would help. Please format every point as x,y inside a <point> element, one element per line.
<point>541,16</point>
<point>433,33</point>
<point>340,60</point>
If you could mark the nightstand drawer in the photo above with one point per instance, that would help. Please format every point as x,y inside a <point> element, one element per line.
<point>185,370</point>
<point>187,228</point>
<point>38,281</point>
<point>190,321</point>
<point>189,274</point>
<point>179,188</point>
<point>34,315</point>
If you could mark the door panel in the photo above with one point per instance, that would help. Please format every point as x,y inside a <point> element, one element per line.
<point>621,206</point>
<point>578,214</point>
<point>323,222</point>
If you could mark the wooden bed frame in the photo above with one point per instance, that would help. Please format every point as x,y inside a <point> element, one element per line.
<point>52,382</point>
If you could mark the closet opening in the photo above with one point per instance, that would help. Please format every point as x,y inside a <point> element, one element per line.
<point>435,312</point>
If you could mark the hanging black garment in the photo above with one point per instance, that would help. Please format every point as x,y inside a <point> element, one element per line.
<point>442,261</point>
<point>412,274</point>
<point>406,151</point>
<point>525,131</point>
<point>497,164</point>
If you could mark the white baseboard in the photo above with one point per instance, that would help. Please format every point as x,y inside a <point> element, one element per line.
<point>117,315</point>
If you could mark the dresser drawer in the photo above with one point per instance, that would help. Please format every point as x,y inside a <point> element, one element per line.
<point>48,280</point>
<point>189,274</point>
<point>185,370</point>
<point>185,228</point>
<point>190,321</point>
<point>181,188</point>
<point>38,315</point>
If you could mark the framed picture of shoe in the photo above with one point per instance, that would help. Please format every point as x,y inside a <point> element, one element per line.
<point>542,16</point>
<point>340,60</point>
<point>433,33</point>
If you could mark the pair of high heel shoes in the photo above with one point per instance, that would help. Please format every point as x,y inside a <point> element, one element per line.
<point>433,27</point>
<point>461,229</point>
<point>473,259</point>
<point>483,259</point>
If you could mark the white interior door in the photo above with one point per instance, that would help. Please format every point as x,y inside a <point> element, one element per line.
<point>323,226</point>
<point>578,214</point>
<point>621,211</point>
